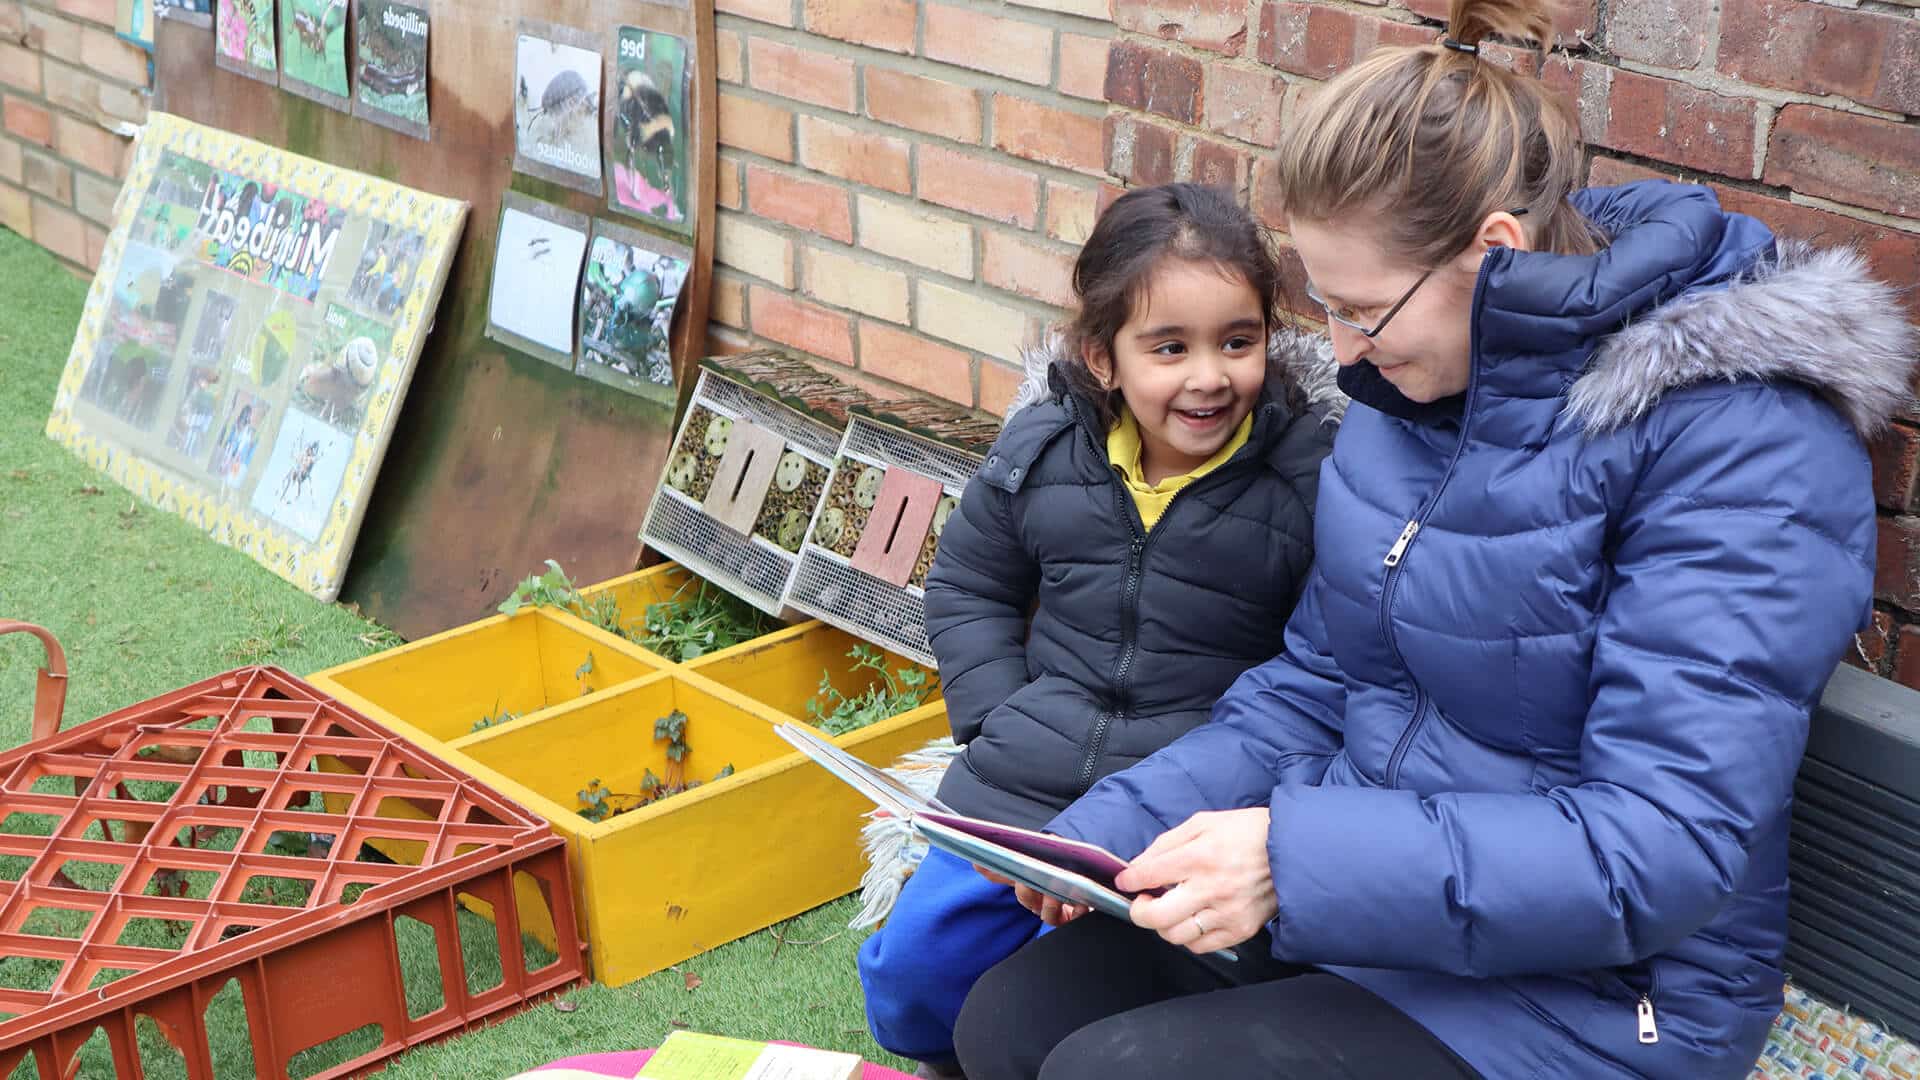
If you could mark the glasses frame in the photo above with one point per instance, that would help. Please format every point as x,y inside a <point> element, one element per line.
<point>1313,294</point>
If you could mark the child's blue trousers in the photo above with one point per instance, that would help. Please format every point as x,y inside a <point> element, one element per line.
<point>947,928</point>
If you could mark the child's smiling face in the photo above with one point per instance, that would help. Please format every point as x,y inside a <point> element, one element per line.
<point>1190,363</point>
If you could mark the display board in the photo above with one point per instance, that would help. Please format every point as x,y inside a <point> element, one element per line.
<point>249,338</point>
<point>520,456</point>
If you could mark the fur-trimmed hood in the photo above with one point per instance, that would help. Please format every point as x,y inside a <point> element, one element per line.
<point>1303,360</point>
<point>1813,316</point>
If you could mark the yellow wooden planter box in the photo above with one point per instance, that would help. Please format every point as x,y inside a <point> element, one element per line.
<point>782,670</point>
<point>699,869</point>
<point>439,687</point>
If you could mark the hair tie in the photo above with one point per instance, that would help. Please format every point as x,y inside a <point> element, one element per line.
<point>1461,46</point>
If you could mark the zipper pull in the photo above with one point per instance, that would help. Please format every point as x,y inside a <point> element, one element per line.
<point>1649,1031</point>
<point>1400,545</point>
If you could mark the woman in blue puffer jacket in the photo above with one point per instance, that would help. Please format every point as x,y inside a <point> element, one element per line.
<point>1595,531</point>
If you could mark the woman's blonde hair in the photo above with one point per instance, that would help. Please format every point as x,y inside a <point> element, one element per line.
<point>1428,140</point>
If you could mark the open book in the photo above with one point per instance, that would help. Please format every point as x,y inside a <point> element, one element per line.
<point>1067,870</point>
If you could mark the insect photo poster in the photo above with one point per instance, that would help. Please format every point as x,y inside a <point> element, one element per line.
<point>249,338</point>
<point>556,105</point>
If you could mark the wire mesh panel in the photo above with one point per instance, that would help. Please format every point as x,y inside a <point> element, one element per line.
<point>737,397</point>
<point>216,834</point>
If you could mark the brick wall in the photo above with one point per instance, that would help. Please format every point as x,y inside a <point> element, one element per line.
<point>904,185</point>
<point>65,83</point>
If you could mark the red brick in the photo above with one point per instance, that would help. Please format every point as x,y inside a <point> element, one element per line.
<point>1861,160</point>
<point>998,384</point>
<point>49,33</point>
<point>1215,25</point>
<point>70,88</point>
<point>1245,105</point>
<point>1266,202</point>
<point>13,20</point>
<point>90,145</point>
<point>1896,461</point>
<point>729,57</point>
<point>986,188</point>
<point>114,58</point>
<point>16,210</point>
<point>808,204</point>
<point>1035,271</point>
<point>100,11</point>
<point>94,197</point>
<point>1156,80</point>
<point>777,12</point>
<point>726,341</point>
<point>1051,136</point>
<point>1874,646</point>
<point>878,24</point>
<point>1293,284</point>
<point>47,175</point>
<point>800,74</point>
<point>19,68</point>
<point>1669,33</point>
<point>1070,212</point>
<point>727,183</point>
<point>1906,666</point>
<point>1138,152</point>
<point>28,121</point>
<point>60,231</point>
<point>125,103</point>
<point>96,246</point>
<point>1869,57</point>
<point>1897,579</point>
<point>756,126</point>
<point>807,327</point>
<point>860,157</point>
<point>729,301</point>
<point>1658,118</point>
<point>1219,165</point>
<point>997,46</point>
<point>924,105</point>
<point>107,54</point>
<point>912,360</point>
<point>1306,39</point>
<point>1083,66</point>
<point>12,165</point>
<point>1108,193</point>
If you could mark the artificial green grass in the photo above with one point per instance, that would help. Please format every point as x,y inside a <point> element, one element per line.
<point>144,603</point>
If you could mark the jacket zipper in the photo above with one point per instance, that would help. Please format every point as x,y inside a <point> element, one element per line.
<point>1643,1011</point>
<point>1130,599</point>
<point>1397,554</point>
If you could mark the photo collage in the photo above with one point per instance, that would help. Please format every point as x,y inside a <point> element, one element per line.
<point>247,330</point>
<point>592,295</point>
<point>365,57</point>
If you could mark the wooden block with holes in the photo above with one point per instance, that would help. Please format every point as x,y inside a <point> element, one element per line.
<point>746,472</point>
<point>896,528</point>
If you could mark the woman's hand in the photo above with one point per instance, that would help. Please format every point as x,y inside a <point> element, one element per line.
<point>1218,881</point>
<point>1051,911</point>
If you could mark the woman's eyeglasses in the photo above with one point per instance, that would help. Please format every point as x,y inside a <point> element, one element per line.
<point>1346,316</point>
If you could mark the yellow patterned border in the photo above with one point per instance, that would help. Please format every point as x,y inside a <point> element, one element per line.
<point>317,568</point>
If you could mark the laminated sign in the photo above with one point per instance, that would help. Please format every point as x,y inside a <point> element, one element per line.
<point>248,340</point>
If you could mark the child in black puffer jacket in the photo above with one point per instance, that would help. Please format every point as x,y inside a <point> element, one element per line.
<point>1134,542</point>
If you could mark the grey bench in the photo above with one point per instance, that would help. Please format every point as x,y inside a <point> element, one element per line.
<point>1854,864</point>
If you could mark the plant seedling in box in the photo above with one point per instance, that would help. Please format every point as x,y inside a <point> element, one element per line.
<point>685,628</point>
<point>598,803</point>
<point>555,589</point>
<point>897,691</point>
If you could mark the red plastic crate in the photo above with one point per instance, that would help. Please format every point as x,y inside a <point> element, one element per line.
<point>309,973</point>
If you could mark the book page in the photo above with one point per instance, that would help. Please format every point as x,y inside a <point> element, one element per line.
<point>689,1055</point>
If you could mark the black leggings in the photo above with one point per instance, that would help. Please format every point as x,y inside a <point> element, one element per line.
<point>1100,999</point>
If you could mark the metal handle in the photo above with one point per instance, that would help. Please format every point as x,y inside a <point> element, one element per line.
<point>50,692</point>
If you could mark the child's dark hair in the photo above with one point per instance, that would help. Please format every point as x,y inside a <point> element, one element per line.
<point>1140,230</point>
